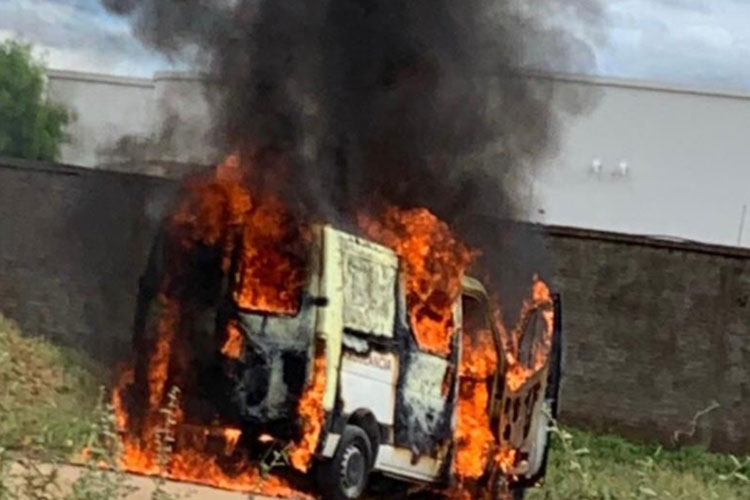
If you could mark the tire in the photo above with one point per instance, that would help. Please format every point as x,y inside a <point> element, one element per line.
<point>345,476</point>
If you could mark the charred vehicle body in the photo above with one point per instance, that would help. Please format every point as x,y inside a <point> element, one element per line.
<point>386,402</point>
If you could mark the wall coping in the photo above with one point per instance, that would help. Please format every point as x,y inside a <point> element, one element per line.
<point>576,78</point>
<point>658,242</point>
<point>72,170</point>
<point>173,75</point>
<point>638,84</point>
<point>80,76</point>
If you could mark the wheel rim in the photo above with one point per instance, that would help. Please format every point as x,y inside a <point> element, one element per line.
<point>352,471</point>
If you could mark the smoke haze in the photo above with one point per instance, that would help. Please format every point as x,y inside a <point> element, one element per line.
<point>349,104</point>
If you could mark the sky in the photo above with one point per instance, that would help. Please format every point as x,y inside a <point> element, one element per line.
<point>697,43</point>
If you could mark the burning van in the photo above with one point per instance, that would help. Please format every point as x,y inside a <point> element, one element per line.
<point>308,307</point>
<point>259,336</point>
<point>390,404</point>
<point>345,365</point>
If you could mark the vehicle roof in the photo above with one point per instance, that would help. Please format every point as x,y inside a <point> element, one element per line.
<point>469,285</point>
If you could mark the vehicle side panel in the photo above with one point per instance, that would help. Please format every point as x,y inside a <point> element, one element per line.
<point>369,381</point>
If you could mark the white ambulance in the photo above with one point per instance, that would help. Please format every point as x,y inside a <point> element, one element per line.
<point>389,405</point>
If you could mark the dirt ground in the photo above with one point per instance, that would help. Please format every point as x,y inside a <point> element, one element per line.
<point>144,486</point>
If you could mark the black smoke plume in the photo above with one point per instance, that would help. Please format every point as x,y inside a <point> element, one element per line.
<point>408,102</point>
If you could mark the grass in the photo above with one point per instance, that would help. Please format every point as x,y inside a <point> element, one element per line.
<point>47,394</point>
<point>587,466</point>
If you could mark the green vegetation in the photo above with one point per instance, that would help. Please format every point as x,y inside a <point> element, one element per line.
<point>53,408</point>
<point>103,478</point>
<point>587,466</point>
<point>30,127</point>
<point>47,395</point>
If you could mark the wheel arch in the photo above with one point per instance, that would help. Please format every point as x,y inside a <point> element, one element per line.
<point>365,420</point>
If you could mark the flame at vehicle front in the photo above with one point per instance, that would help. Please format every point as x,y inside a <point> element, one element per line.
<point>216,216</point>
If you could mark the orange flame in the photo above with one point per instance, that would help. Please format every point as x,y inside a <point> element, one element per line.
<point>210,206</point>
<point>476,442</point>
<point>518,373</point>
<point>159,361</point>
<point>474,438</point>
<point>311,413</point>
<point>235,342</point>
<point>125,379</point>
<point>506,458</point>
<point>216,212</point>
<point>270,277</point>
<point>193,466</point>
<point>231,438</point>
<point>434,260</point>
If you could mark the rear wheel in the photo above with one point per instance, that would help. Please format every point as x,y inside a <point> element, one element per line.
<point>345,476</point>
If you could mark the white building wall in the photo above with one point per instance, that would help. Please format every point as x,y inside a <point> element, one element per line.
<point>183,113</point>
<point>104,109</point>
<point>684,152</point>
<point>166,119</point>
<point>687,164</point>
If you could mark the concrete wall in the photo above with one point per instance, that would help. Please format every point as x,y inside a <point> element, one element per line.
<point>655,330</point>
<point>686,154</point>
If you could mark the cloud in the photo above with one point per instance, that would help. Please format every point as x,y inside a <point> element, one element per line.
<point>688,42</point>
<point>78,35</point>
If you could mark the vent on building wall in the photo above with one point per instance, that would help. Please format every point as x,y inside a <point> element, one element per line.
<point>597,168</point>
<point>622,169</point>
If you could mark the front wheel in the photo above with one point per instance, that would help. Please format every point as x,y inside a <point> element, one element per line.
<point>345,476</point>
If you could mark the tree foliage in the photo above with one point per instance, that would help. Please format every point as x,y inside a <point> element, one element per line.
<point>30,126</point>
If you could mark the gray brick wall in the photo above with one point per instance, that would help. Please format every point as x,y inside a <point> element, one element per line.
<point>72,245</point>
<point>655,331</point>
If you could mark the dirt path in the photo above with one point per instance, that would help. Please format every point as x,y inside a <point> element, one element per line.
<point>143,486</point>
